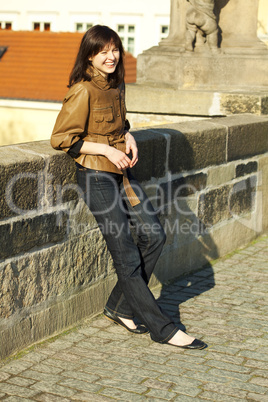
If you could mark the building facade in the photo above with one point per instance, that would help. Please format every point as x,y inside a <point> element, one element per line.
<point>140,24</point>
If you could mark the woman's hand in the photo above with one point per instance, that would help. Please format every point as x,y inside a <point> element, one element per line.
<point>118,158</point>
<point>131,146</point>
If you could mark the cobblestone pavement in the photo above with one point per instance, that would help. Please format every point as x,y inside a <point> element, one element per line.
<point>223,304</point>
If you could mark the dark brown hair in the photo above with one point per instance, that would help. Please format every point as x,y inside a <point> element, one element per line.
<point>94,40</point>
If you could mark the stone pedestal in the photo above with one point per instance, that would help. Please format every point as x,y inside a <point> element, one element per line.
<point>207,72</point>
<point>238,21</point>
<point>214,78</point>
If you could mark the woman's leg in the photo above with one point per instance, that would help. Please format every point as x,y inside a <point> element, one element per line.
<point>150,240</point>
<point>105,202</point>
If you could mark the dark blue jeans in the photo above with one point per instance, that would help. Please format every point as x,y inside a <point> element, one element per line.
<point>134,261</point>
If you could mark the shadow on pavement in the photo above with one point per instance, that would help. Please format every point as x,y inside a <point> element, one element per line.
<point>190,285</point>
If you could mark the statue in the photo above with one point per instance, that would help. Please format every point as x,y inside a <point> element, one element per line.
<point>201,25</point>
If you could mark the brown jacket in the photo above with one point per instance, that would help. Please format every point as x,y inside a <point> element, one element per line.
<point>92,111</point>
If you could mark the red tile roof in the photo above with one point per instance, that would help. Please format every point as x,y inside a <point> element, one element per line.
<point>36,65</point>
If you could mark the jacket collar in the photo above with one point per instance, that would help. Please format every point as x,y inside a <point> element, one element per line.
<point>98,79</point>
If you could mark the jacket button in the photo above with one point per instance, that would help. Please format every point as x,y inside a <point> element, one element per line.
<point>118,115</point>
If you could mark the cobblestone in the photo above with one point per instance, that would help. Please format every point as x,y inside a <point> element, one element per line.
<point>50,398</point>
<point>120,395</point>
<point>229,374</point>
<point>257,397</point>
<point>52,388</point>
<point>225,304</point>
<point>260,381</point>
<point>159,393</point>
<point>214,396</point>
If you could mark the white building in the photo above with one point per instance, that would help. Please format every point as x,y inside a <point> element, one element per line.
<point>140,23</point>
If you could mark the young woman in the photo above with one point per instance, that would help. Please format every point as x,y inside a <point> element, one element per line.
<point>92,128</point>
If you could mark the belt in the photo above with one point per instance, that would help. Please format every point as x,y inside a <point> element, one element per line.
<point>131,195</point>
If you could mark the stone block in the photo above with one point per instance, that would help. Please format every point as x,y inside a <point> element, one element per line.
<point>175,262</point>
<point>232,234</point>
<point>151,190</point>
<point>15,334</point>
<point>190,142</point>
<point>54,316</point>
<point>242,196</point>
<point>38,148</point>
<point>221,203</point>
<point>63,269</point>
<point>247,136</point>
<point>19,181</point>
<point>264,105</point>
<point>61,184</point>
<point>244,102</point>
<point>152,146</point>
<point>218,175</point>
<point>69,311</point>
<point>80,219</point>
<point>182,187</point>
<point>179,221</point>
<point>167,102</point>
<point>18,236</point>
<point>213,205</point>
<point>243,169</point>
<point>46,176</point>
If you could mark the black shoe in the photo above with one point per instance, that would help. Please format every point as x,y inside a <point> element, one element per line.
<point>141,329</point>
<point>196,344</point>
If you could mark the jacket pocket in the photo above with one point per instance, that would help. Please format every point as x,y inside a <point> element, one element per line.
<point>102,118</point>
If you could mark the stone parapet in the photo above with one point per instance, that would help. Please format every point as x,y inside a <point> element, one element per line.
<point>207,179</point>
<point>161,100</point>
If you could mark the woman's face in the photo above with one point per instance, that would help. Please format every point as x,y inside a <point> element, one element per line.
<point>106,60</point>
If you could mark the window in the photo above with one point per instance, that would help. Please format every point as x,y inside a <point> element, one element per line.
<point>42,21</point>
<point>46,26</point>
<point>82,22</point>
<point>82,26</point>
<point>6,25</point>
<point>164,30</point>
<point>127,36</point>
<point>41,26</point>
<point>36,26</point>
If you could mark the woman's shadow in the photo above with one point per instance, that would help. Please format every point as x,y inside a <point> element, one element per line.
<point>192,271</point>
<point>189,285</point>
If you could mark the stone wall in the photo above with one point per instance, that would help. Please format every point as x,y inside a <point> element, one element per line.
<point>207,178</point>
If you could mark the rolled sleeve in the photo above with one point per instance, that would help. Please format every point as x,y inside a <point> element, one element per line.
<point>74,151</point>
<point>70,125</point>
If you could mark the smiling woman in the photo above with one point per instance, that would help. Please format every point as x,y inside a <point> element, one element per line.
<point>106,61</point>
<point>92,128</point>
